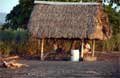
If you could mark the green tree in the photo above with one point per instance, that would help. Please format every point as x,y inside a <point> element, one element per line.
<point>20,14</point>
<point>115,1</point>
<point>114,19</point>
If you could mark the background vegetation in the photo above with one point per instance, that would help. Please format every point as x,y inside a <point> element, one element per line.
<point>15,39</point>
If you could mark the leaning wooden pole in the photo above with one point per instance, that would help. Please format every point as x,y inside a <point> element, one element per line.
<point>82,48</point>
<point>42,49</point>
<point>93,47</point>
<point>39,44</point>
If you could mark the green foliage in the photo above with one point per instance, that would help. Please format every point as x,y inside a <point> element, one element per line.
<point>115,1</point>
<point>9,34</point>
<point>113,44</point>
<point>117,42</point>
<point>11,41</point>
<point>114,19</point>
<point>5,48</point>
<point>19,16</point>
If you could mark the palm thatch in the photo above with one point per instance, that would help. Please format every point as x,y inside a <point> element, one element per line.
<point>69,20</point>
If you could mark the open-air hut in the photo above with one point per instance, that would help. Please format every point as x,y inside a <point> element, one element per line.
<point>68,20</point>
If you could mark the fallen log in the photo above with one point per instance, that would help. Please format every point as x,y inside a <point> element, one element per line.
<point>9,58</point>
<point>13,65</point>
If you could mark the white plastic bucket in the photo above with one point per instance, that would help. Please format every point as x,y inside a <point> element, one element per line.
<point>75,55</point>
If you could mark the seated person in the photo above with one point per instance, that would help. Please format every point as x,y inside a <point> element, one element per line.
<point>60,53</point>
<point>58,49</point>
<point>87,48</point>
<point>55,47</point>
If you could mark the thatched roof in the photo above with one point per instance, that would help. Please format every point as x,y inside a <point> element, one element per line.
<point>69,20</point>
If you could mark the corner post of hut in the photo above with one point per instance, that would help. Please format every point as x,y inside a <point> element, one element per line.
<point>93,47</point>
<point>42,49</point>
<point>82,48</point>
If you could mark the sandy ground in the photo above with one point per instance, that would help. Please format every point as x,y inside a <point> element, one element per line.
<point>65,69</point>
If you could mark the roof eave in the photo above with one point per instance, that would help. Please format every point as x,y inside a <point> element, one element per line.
<point>65,3</point>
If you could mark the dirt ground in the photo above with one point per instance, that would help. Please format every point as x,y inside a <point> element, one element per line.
<point>106,67</point>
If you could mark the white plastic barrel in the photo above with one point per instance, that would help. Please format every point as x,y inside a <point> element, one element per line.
<point>75,55</point>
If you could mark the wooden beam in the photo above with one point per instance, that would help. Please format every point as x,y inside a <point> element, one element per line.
<point>93,47</point>
<point>42,49</point>
<point>39,45</point>
<point>73,44</point>
<point>82,48</point>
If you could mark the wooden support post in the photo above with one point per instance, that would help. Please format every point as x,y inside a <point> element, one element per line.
<point>93,48</point>
<point>38,46</point>
<point>42,49</point>
<point>82,48</point>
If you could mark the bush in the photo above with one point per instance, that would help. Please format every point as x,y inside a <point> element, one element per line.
<point>11,41</point>
<point>112,44</point>
<point>5,48</point>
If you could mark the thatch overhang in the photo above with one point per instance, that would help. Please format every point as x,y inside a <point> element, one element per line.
<point>69,20</point>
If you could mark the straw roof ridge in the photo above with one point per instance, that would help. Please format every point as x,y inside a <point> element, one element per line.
<point>65,3</point>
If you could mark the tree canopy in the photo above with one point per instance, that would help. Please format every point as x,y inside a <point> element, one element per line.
<point>19,15</point>
<point>114,19</point>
